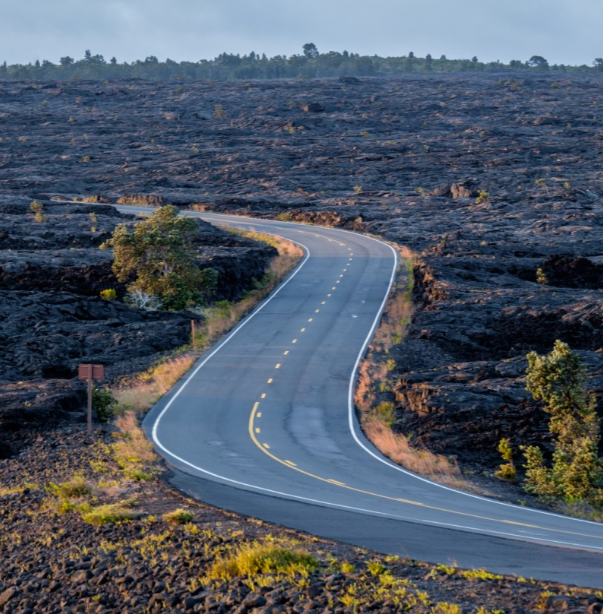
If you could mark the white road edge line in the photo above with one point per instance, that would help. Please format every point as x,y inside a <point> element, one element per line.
<point>351,409</point>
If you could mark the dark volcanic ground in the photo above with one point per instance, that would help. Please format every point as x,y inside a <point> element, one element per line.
<point>486,179</point>
<point>52,317</point>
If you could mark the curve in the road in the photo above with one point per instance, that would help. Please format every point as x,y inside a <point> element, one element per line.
<point>265,425</point>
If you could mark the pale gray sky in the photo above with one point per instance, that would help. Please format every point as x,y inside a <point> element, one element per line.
<point>563,31</point>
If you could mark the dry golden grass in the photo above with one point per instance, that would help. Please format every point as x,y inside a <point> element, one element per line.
<point>132,447</point>
<point>374,392</point>
<point>397,448</point>
<point>377,370</point>
<point>168,373</point>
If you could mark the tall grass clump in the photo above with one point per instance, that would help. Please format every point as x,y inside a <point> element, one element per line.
<point>132,451</point>
<point>256,558</point>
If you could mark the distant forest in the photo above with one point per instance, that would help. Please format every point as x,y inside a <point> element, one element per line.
<point>309,64</point>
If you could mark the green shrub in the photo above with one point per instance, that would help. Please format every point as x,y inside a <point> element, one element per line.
<point>576,471</point>
<point>104,403</point>
<point>482,197</point>
<point>541,278</point>
<point>160,254</point>
<point>178,516</point>
<point>109,295</point>
<point>110,514</point>
<point>376,568</point>
<point>37,209</point>
<point>386,411</point>
<point>75,488</point>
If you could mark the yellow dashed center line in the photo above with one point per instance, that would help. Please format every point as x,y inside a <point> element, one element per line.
<point>324,303</point>
<point>270,381</point>
<point>257,430</point>
<point>294,341</point>
<point>285,352</point>
<point>317,311</point>
<point>303,330</point>
<point>334,288</point>
<point>278,366</point>
<point>310,319</point>
<point>259,414</point>
<point>264,447</point>
<point>264,396</point>
<point>328,295</point>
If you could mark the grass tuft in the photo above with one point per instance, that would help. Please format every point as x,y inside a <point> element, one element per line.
<point>178,516</point>
<point>75,488</point>
<point>133,452</point>
<point>257,558</point>
<point>111,513</point>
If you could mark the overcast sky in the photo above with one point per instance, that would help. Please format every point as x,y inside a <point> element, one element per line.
<point>563,31</point>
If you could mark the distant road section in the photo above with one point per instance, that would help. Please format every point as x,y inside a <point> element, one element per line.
<point>264,425</point>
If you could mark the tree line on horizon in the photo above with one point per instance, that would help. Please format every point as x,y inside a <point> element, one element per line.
<point>309,64</point>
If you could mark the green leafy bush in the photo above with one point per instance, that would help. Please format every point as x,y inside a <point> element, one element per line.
<point>104,403</point>
<point>157,258</point>
<point>109,295</point>
<point>576,471</point>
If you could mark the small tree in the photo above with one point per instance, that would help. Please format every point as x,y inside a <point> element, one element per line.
<point>507,469</point>
<point>310,51</point>
<point>159,256</point>
<point>576,472</point>
<point>537,61</point>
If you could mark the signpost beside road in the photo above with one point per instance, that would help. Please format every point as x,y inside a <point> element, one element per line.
<point>90,373</point>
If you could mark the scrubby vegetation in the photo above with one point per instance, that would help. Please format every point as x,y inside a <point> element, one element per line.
<point>576,471</point>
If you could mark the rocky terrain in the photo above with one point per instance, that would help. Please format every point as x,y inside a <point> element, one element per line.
<point>485,178</point>
<point>52,317</point>
<point>56,560</point>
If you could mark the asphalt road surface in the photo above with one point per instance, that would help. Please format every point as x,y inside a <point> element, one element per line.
<point>264,425</point>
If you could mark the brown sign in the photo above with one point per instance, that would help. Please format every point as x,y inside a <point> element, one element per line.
<point>91,372</point>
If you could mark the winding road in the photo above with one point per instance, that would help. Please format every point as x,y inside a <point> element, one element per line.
<point>264,425</point>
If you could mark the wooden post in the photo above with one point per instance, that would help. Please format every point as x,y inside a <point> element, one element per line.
<point>90,403</point>
<point>89,373</point>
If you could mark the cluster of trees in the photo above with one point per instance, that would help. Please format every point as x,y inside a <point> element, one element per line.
<point>309,64</point>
